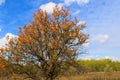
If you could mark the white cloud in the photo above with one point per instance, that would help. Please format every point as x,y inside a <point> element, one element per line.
<point>2,1</point>
<point>101,38</point>
<point>81,23</point>
<point>115,58</point>
<point>82,1</point>
<point>77,12</point>
<point>90,57</point>
<point>98,57</point>
<point>86,44</point>
<point>0,29</point>
<point>48,7</point>
<point>79,2</point>
<point>68,2</point>
<point>3,40</point>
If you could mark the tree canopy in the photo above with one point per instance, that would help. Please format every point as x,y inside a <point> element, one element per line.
<point>46,46</point>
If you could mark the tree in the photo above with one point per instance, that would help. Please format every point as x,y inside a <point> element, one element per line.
<point>47,45</point>
<point>3,66</point>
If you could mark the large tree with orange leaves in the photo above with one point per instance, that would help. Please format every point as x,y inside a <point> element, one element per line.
<point>3,65</point>
<point>46,44</point>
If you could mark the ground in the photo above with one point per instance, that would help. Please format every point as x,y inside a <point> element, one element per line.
<point>82,76</point>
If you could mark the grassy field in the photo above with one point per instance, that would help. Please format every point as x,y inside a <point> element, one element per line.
<point>94,76</point>
<point>84,76</point>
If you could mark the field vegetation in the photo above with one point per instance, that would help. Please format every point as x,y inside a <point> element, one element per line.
<point>104,69</point>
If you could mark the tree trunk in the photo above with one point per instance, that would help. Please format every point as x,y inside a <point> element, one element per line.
<point>50,78</point>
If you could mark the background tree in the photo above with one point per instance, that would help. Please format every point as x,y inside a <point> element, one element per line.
<point>47,45</point>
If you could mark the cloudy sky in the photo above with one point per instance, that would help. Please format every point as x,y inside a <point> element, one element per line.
<point>102,18</point>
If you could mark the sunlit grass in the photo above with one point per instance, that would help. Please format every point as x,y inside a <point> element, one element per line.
<point>82,76</point>
<point>93,76</point>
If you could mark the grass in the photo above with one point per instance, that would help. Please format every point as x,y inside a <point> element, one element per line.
<point>93,76</point>
<point>82,76</point>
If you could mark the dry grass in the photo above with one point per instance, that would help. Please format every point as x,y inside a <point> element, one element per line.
<point>85,76</point>
<point>94,76</point>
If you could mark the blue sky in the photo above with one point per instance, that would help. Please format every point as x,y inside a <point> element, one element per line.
<point>102,18</point>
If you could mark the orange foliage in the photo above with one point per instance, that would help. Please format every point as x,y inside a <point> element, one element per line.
<point>48,40</point>
<point>3,65</point>
<point>15,58</point>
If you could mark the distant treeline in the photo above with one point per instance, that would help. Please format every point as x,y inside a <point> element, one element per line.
<point>86,66</point>
<point>99,65</point>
